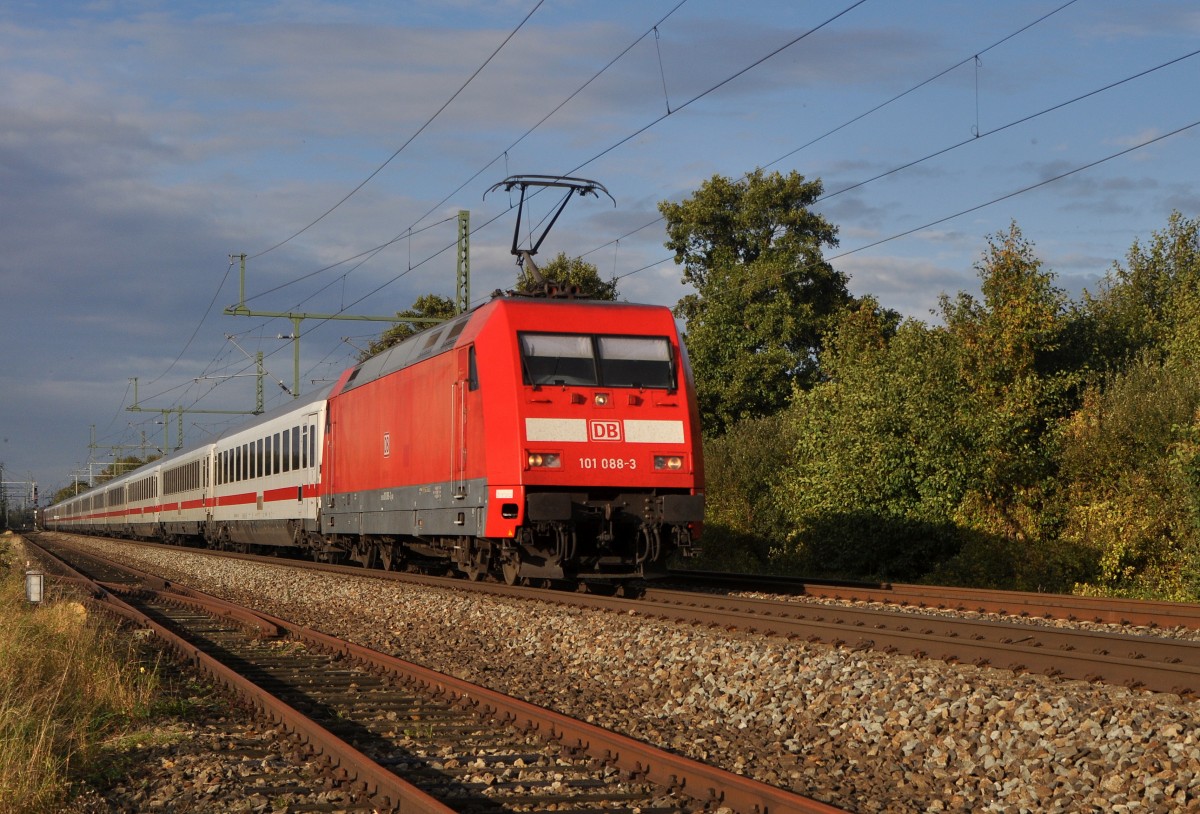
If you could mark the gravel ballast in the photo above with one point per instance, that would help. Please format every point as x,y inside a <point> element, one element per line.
<point>864,731</point>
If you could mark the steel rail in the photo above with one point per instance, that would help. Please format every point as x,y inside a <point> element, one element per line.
<point>696,779</point>
<point>1065,639</point>
<point>1102,610</point>
<point>1069,654</point>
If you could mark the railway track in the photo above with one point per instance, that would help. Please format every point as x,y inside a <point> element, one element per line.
<point>1137,661</point>
<point>1100,610</point>
<point>1146,662</point>
<point>410,738</point>
<point>853,727</point>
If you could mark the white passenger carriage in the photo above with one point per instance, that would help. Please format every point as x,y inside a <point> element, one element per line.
<point>186,495</point>
<point>266,478</point>
<point>256,485</point>
<point>134,507</point>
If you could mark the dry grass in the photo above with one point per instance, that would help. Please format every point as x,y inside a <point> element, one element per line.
<point>67,683</point>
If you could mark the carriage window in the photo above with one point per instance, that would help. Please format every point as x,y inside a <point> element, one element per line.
<point>635,361</point>
<point>558,359</point>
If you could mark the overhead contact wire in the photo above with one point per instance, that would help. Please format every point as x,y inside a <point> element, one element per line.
<point>874,109</point>
<point>969,210</point>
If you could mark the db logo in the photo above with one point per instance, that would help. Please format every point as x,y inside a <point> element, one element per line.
<point>605,430</point>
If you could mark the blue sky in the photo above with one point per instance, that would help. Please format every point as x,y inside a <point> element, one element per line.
<point>143,142</point>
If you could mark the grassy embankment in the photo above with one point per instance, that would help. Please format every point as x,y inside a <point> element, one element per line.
<point>72,690</point>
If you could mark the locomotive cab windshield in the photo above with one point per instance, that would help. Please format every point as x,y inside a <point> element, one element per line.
<point>597,360</point>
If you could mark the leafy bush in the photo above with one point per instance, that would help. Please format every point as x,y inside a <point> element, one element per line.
<point>743,520</point>
<point>878,462</point>
<point>1132,461</point>
<point>1028,442</point>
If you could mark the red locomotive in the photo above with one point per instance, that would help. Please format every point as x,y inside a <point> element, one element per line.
<point>539,439</point>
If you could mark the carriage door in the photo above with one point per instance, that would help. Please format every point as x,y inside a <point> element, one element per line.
<point>208,483</point>
<point>308,455</point>
<point>464,382</point>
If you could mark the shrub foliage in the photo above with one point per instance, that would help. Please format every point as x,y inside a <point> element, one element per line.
<point>1022,440</point>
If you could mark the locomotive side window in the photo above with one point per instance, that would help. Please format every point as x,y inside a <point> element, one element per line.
<point>609,361</point>
<point>472,370</point>
<point>635,361</point>
<point>558,359</point>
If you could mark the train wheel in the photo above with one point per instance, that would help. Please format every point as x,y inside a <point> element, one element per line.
<point>476,559</point>
<point>631,589</point>
<point>477,569</point>
<point>365,553</point>
<point>511,568</point>
<point>391,558</point>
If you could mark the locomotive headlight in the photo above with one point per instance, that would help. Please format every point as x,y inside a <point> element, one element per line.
<point>601,399</point>
<point>544,460</point>
<point>668,463</point>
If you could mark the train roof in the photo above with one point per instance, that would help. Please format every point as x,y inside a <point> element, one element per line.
<point>318,395</point>
<point>421,345</point>
<point>444,336</point>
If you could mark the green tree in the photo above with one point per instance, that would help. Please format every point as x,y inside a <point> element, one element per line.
<point>69,491</point>
<point>878,462</point>
<point>764,296</point>
<point>1131,465</point>
<point>1007,344</point>
<point>120,466</point>
<point>1131,454</point>
<point>1144,303</point>
<point>743,519</point>
<point>932,449</point>
<point>428,306</point>
<point>565,272</point>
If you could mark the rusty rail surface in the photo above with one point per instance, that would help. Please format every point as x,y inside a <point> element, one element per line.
<point>1103,610</point>
<point>1146,662</point>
